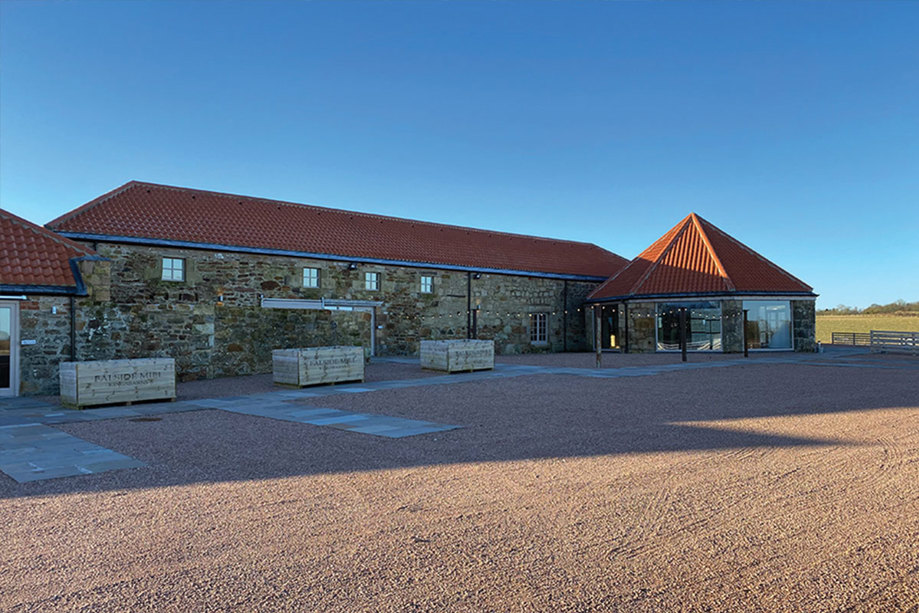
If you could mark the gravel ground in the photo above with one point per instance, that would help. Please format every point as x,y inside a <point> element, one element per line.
<point>753,488</point>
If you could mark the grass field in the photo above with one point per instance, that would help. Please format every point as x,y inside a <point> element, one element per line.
<point>827,324</point>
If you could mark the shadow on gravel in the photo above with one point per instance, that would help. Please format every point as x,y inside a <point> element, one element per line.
<point>515,419</point>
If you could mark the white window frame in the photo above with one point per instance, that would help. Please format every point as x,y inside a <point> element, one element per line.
<point>539,328</point>
<point>371,281</point>
<point>13,389</point>
<point>170,267</point>
<point>311,280</point>
<point>427,284</point>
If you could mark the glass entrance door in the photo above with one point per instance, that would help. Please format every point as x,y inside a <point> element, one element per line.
<point>609,327</point>
<point>9,348</point>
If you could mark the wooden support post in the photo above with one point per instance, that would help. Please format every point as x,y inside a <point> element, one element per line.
<point>597,343</point>
<point>683,332</point>
<point>746,342</point>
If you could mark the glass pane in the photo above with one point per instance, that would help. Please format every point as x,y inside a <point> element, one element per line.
<point>609,327</point>
<point>703,326</point>
<point>768,324</point>
<point>6,333</point>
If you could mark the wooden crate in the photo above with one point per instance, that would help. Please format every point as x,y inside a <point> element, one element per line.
<point>460,355</point>
<point>315,365</point>
<point>98,382</point>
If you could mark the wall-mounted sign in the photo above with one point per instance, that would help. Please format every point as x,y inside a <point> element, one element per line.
<point>28,341</point>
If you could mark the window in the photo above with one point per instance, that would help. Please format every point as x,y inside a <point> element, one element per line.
<point>427,284</point>
<point>768,324</point>
<point>310,277</point>
<point>703,326</point>
<point>372,281</point>
<point>173,269</point>
<point>539,328</point>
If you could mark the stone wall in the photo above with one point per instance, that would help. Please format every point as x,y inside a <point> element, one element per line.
<point>45,320</point>
<point>213,323</point>
<point>268,329</point>
<point>804,322</point>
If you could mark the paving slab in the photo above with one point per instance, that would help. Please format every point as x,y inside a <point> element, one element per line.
<point>33,452</point>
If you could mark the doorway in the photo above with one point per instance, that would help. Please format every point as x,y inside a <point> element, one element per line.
<point>609,327</point>
<point>9,348</point>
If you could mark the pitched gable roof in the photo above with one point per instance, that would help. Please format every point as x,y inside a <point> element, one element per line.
<point>149,211</point>
<point>695,257</point>
<point>32,257</point>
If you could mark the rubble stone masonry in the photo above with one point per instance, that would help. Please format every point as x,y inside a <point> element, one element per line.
<point>213,322</point>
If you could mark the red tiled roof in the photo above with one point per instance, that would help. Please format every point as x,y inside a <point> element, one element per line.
<point>150,211</point>
<point>695,257</point>
<point>31,255</point>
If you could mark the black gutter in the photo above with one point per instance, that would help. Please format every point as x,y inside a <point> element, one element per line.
<point>156,242</point>
<point>565,317</point>
<point>73,329</point>
<point>66,290</point>
<point>468,305</point>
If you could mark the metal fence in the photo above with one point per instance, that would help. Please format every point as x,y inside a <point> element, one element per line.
<point>885,340</point>
<point>852,338</point>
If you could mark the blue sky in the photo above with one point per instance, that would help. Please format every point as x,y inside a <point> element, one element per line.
<point>793,126</point>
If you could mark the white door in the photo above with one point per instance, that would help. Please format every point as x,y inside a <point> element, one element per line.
<point>9,348</point>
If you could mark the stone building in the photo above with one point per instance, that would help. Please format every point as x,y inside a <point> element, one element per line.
<point>716,280</point>
<point>217,281</point>
<point>45,282</point>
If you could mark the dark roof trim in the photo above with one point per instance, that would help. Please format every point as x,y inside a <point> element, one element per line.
<point>42,289</point>
<point>79,289</point>
<point>738,294</point>
<point>157,242</point>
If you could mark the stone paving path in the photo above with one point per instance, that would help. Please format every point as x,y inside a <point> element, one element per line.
<point>30,449</point>
<point>364,423</point>
<point>30,452</point>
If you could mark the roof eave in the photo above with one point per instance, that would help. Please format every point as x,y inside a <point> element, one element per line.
<point>735,294</point>
<point>159,242</point>
<point>66,290</point>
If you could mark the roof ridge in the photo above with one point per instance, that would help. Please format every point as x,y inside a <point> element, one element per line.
<point>91,204</point>
<point>323,208</point>
<point>711,251</point>
<point>661,255</point>
<point>757,255</point>
<point>45,232</point>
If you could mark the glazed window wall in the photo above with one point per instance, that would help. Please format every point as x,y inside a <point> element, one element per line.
<point>703,326</point>
<point>768,324</point>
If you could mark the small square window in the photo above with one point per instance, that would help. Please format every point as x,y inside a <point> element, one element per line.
<point>173,269</point>
<point>427,284</point>
<point>310,277</point>
<point>539,328</point>
<point>372,281</point>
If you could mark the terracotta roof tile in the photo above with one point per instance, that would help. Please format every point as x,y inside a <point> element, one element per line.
<point>32,255</point>
<point>145,210</point>
<point>695,257</point>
